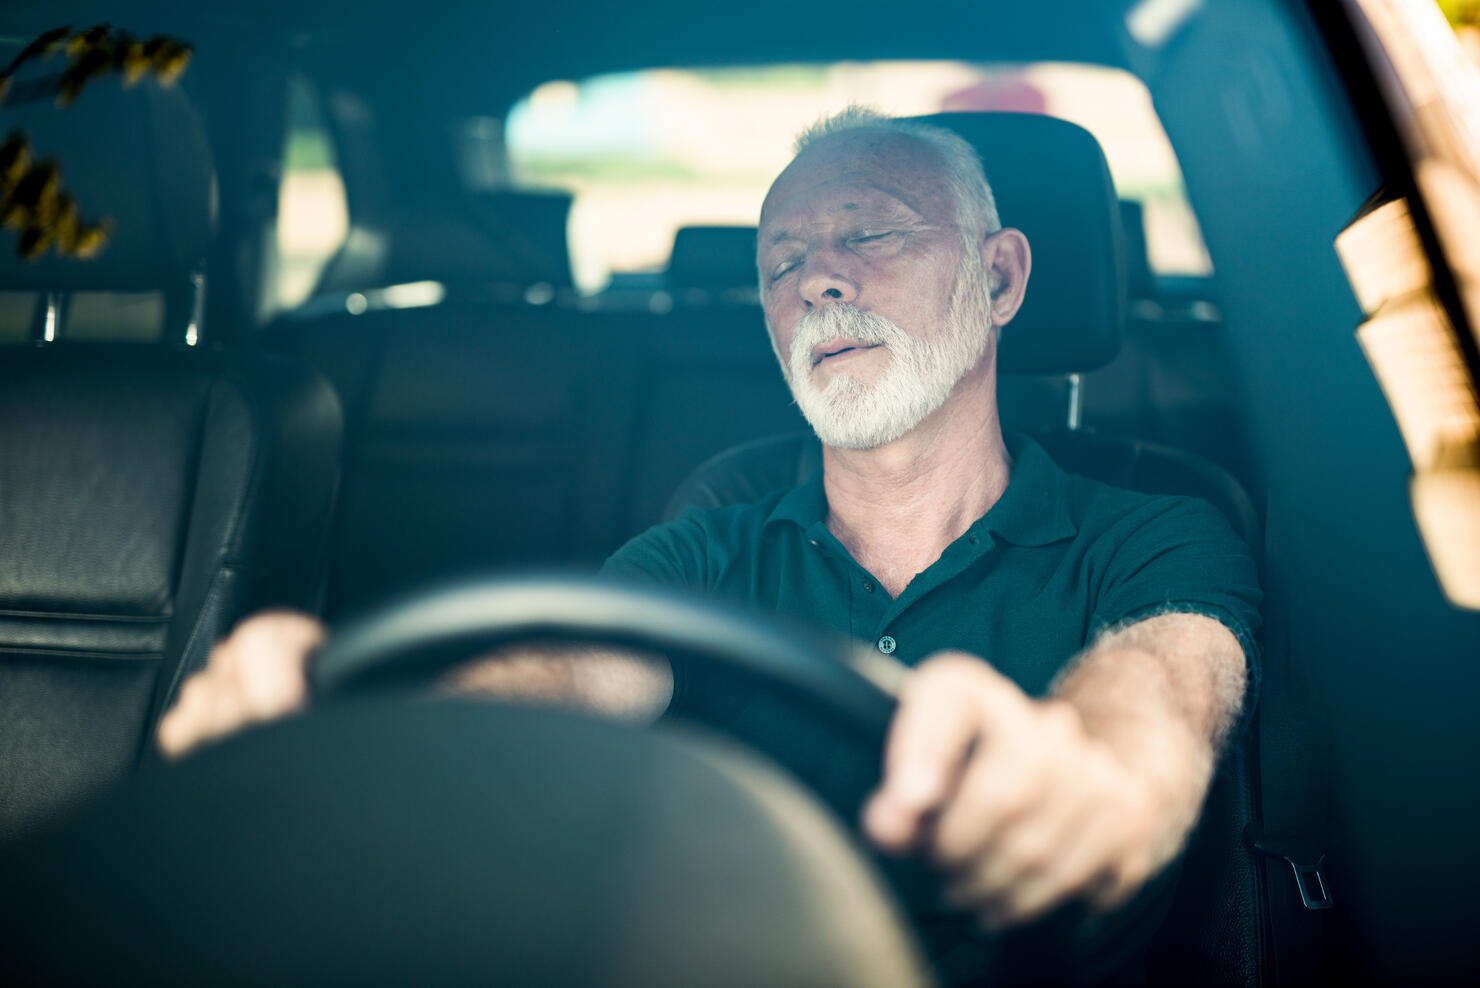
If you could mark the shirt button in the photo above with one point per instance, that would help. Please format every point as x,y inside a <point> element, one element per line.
<point>868,586</point>
<point>974,539</point>
<point>887,645</point>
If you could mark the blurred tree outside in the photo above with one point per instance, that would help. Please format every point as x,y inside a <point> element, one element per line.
<point>1464,16</point>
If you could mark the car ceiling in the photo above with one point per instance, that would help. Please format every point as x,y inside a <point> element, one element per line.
<point>468,58</point>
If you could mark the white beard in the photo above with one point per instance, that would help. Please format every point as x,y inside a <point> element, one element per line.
<point>850,414</point>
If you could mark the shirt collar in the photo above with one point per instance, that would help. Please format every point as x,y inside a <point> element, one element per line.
<point>804,505</point>
<point>1033,510</point>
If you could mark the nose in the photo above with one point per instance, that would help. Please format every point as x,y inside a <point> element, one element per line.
<point>822,283</point>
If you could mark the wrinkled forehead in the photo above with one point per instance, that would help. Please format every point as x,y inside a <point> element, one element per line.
<point>873,164</point>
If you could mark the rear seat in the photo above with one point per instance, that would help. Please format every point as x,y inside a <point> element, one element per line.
<point>706,376</point>
<point>516,426</point>
<point>467,440</point>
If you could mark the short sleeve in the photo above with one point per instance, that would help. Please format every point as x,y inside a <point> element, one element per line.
<point>671,555</point>
<point>1180,555</point>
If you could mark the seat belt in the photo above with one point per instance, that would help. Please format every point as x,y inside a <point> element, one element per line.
<point>1290,829</point>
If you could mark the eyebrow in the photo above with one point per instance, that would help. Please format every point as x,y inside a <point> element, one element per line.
<point>899,205</point>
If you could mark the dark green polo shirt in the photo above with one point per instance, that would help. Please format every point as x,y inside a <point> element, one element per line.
<point>1057,560</point>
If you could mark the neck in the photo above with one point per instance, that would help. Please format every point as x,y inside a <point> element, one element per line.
<point>896,507</point>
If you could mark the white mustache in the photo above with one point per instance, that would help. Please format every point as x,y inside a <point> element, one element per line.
<point>835,321</point>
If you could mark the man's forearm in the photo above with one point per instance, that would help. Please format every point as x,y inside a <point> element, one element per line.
<point>622,684</point>
<point>1162,695</point>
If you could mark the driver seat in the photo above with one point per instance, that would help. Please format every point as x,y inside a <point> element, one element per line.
<point>152,492</point>
<point>1051,181</point>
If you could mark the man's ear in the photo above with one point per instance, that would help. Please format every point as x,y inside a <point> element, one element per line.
<point>1008,260</point>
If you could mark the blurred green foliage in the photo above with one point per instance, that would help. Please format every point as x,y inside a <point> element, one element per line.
<point>33,201</point>
<point>1461,12</point>
<point>307,150</point>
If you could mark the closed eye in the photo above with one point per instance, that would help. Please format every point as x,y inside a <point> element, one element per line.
<point>781,269</point>
<point>872,238</point>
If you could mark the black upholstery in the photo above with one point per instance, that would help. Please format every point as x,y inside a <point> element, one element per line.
<point>468,439</point>
<point>548,850</point>
<point>150,495</point>
<point>1051,181</point>
<point>509,239</point>
<point>1137,259</point>
<point>149,498</point>
<point>712,259</point>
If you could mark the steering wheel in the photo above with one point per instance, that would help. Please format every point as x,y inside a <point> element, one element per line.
<point>381,841</point>
<point>848,687</point>
<point>846,690</point>
<point>824,702</point>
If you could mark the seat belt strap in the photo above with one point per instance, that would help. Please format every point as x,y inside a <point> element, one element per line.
<point>1290,831</point>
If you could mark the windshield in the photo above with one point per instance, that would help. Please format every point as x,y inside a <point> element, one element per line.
<point>646,153</point>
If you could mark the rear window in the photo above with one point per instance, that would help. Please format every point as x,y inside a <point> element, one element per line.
<point>312,216</point>
<point>646,153</point>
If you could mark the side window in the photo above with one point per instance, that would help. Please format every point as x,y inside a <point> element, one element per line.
<point>1421,339</point>
<point>313,215</point>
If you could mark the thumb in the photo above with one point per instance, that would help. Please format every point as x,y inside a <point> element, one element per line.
<point>930,740</point>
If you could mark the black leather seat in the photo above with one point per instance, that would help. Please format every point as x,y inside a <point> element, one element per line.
<point>150,494</point>
<point>1051,181</point>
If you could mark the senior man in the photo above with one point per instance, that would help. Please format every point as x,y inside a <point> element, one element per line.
<point>1082,652</point>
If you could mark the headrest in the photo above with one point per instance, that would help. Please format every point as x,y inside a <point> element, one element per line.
<point>138,157</point>
<point>1051,181</point>
<point>713,258</point>
<point>492,237</point>
<point>1137,259</point>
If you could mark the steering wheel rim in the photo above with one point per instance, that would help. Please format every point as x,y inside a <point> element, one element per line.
<point>425,633</point>
<point>854,687</point>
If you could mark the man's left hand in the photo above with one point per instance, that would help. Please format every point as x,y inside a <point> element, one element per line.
<point>1012,797</point>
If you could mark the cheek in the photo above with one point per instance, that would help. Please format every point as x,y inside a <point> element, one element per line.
<point>781,326</point>
<point>924,299</point>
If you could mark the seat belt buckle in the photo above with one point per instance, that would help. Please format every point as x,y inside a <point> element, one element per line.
<point>1306,860</point>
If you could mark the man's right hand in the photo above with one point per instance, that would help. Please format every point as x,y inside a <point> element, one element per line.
<point>259,673</point>
<point>255,674</point>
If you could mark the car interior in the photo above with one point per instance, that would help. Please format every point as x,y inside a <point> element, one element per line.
<point>430,424</point>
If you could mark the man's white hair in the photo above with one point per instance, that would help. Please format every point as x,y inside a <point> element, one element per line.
<point>960,163</point>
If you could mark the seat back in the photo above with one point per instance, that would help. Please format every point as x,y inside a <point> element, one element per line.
<point>148,499</point>
<point>1051,181</point>
<point>150,493</point>
<point>467,442</point>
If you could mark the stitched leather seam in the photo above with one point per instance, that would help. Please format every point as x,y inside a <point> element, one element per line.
<point>78,653</point>
<point>195,631</point>
<point>69,616</point>
<point>261,419</point>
